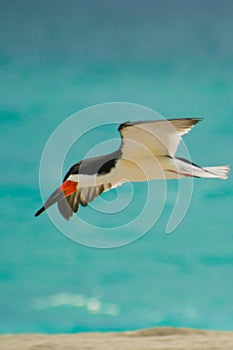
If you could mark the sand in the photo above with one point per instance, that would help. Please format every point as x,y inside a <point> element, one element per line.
<point>164,338</point>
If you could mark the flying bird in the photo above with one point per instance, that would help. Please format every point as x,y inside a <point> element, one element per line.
<point>147,152</point>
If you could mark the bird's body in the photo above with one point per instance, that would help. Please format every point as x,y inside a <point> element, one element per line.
<point>147,152</point>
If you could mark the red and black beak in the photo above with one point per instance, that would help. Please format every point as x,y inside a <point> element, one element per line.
<point>66,189</point>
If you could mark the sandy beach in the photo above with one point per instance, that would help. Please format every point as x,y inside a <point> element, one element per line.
<point>164,338</point>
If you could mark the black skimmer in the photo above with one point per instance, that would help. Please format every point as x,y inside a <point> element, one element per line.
<point>147,152</point>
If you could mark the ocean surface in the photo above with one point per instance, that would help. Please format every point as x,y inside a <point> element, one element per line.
<point>59,57</point>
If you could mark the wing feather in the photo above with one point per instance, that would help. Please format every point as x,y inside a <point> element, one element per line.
<point>160,137</point>
<point>83,196</point>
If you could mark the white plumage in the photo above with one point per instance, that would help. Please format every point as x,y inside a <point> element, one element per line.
<point>147,152</point>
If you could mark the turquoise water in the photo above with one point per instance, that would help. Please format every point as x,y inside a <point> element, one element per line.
<point>57,58</point>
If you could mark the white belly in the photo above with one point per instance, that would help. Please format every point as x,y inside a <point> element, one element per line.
<point>142,169</point>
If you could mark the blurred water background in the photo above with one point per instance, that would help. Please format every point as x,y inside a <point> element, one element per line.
<point>58,57</point>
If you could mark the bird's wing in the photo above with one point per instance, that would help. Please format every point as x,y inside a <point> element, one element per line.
<point>86,193</point>
<point>160,137</point>
<point>70,204</point>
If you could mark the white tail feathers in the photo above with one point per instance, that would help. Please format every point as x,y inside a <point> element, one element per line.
<point>186,168</point>
<point>220,172</point>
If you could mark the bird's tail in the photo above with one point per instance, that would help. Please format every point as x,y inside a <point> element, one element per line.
<point>220,172</point>
<point>185,168</point>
